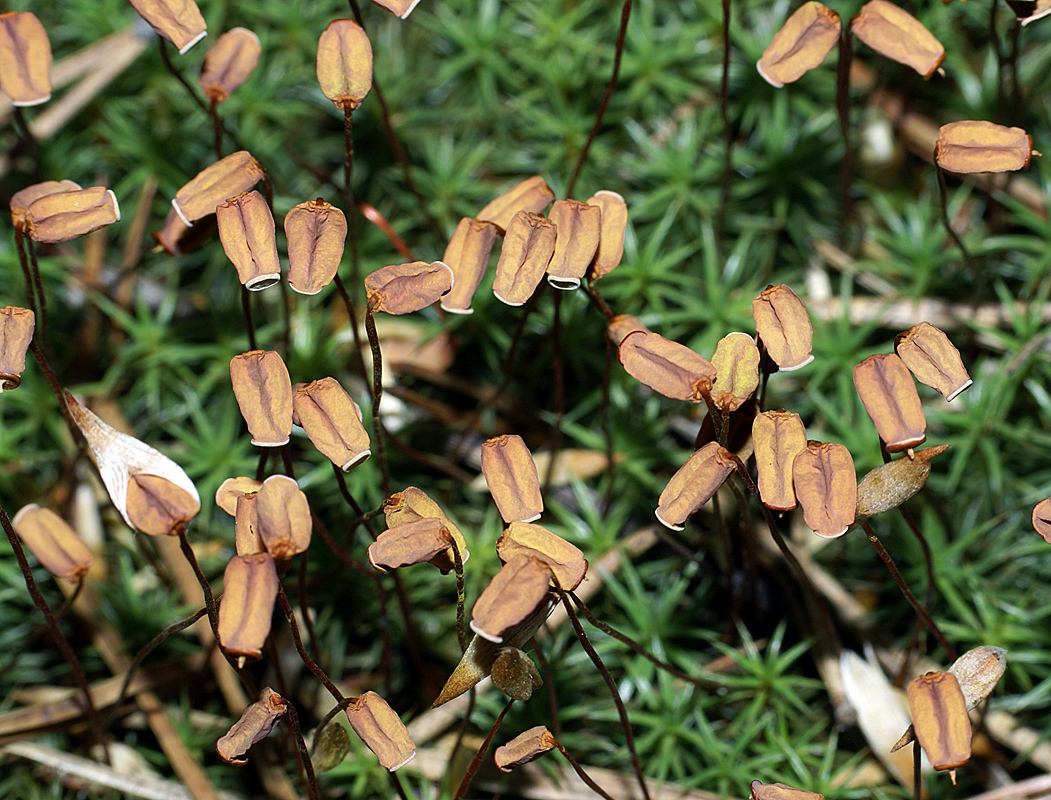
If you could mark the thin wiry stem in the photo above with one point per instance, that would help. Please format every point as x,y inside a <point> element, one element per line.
<point>348,560</point>
<point>302,756</point>
<point>395,781</point>
<point>377,396</point>
<point>928,562</point>
<point>943,196</point>
<point>509,363</point>
<point>461,732</point>
<point>363,517</point>
<point>260,469</point>
<point>94,718</point>
<point>217,128</point>
<point>549,686</point>
<point>23,261</point>
<point>304,604</point>
<point>310,663</point>
<point>477,760</point>
<point>41,298</point>
<point>24,131</point>
<point>56,389</point>
<point>580,771</point>
<point>638,648</point>
<point>816,600</point>
<point>1016,91</point>
<point>392,137</point>
<point>325,720</point>
<point>461,626</point>
<point>625,15</point>
<point>279,671</point>
<point>212,606</point>
<point>994,37</point>
<point>846,167</point>
<point>152,645</point>
<point>950,651</point>
<point>625,723</point>
<point>597,299</point>
<point>348,194</point>
<point>246,310</point>
<point>917,773</point>
<point>607,429</point>
<point>728,134</point>
<point>42,629</point>
<point>381,592</point>
<point>206,587</point>
<point>163,45</point>
<point>560,391</point>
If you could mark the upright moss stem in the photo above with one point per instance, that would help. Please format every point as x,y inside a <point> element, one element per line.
<point>625,15</point>
<point>318,673</point>
<point>163,47</point>
<point>392,137</point>
<point>302,756</point>
<point>217,128</point>
<point>42,629</point>
<point>950,651</point>
<point>348,193</point>
<point>728,135</point>
<point>597,299</point>
<point>41,297</point>
<point>212,606</point>
<point>560,392</point>
<point>352,318</point>
<point>816,600</point>
<point>580,771</point>
<point>943,197</point>
<point>25,132</point>
<point>994,38</point>
<point>461,616</point>
<point>917,772</point>
<point>549,687</point>
<point>57,390</point>
<point>622,712</point>
<point>607,429</point>
<point>325,720</point>
<point>638,648</point>
<point>246,311</point>
<point>377,396</point>
<point>23,261</point>
<point>94,718</point>
<point>512,352</point>
<point>152,645</point>
<point>846,167</point>
<point>477,760</point>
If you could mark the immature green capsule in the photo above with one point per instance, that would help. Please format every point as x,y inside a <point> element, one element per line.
<point>515,674</point>
<point>890,485</point>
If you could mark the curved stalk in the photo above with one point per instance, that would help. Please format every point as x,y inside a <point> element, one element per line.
<point>377,396</point>
<point>950,651</point>
<point>477,760</point>
<point>625,15</point>
<point>622,712</point>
